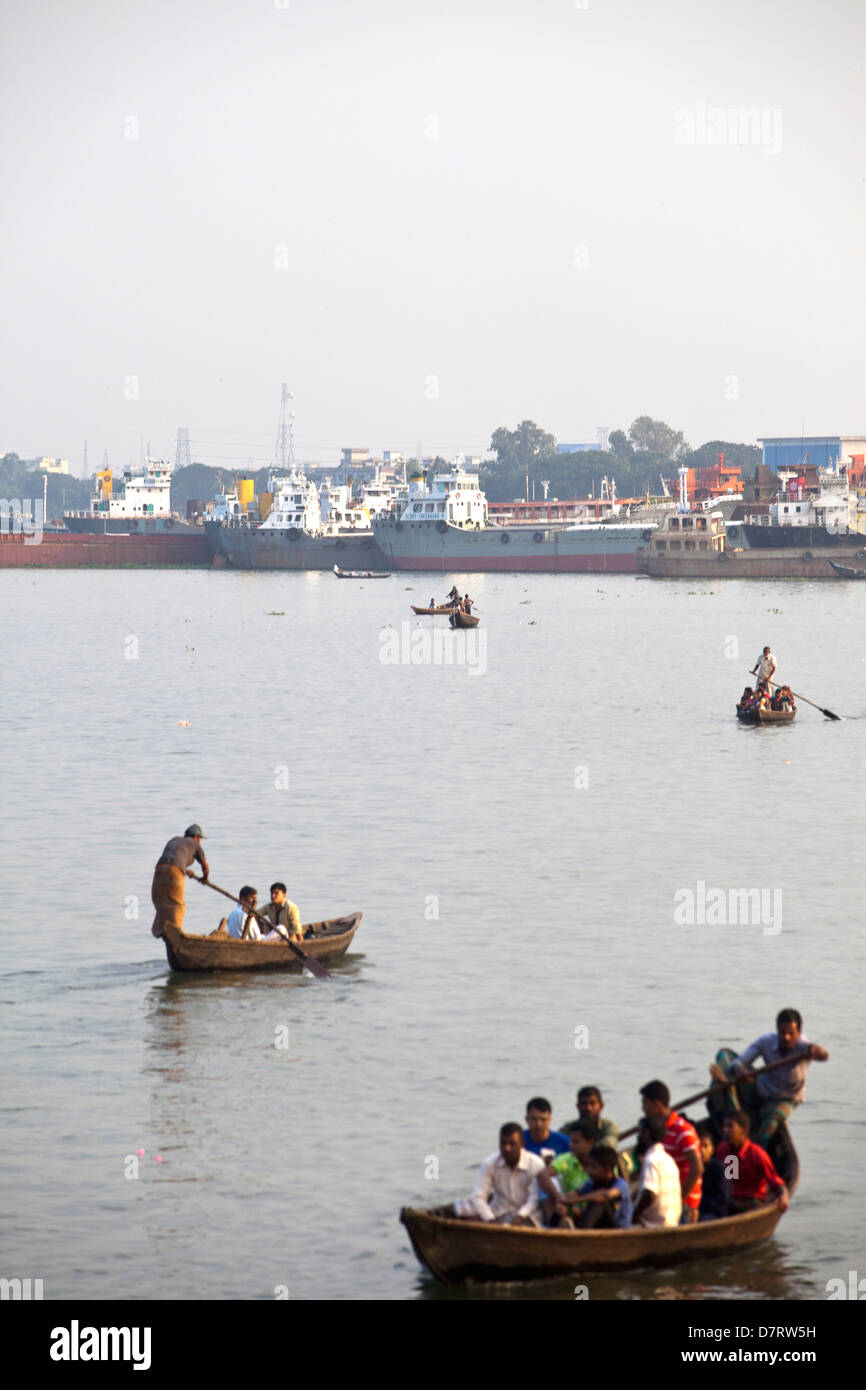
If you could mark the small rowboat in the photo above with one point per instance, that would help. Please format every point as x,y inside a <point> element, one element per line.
<point>766,716</point>
<point>456,1250</point>
<point>361,574</point>
<point>845,572</point>
<point>460,619</point>
<point>220,951</point>
<point>440,608</point>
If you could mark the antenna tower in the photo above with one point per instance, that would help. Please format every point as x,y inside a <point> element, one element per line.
<point>285,451</point>
<point>181,457</point>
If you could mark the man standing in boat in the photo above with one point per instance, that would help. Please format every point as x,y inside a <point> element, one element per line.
<point>773,1098</point>
<point>166,891</point>
<point>765,668</point>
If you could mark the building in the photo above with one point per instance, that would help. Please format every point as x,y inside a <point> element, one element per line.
<point>599,444</point>
<point>817,450</point>
<point>54,465</point>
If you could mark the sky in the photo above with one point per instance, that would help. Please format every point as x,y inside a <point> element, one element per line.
<point>430,220</point>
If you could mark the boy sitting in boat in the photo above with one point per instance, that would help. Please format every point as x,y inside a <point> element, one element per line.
<point>754,1179</point>
<point>716,1196</point>
<point>783,699</point>
<point>606,1203</point>
<point>237,918</point>
<point>569,1169</point>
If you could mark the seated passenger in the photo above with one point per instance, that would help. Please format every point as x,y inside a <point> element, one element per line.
<point>510,1185</point>
<point>539,1138</point>
<point>609,1201</point>
<point>746,698</point>
<point>237,918</point>
<point>754,1174</point>
<point>716,1197</point>
<point>432,603</point>
<point>589,1107</point>
<point>658,1201</point>
<point>283,916</point>
<point>569,1169</point>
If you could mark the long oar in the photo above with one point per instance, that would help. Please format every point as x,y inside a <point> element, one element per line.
<point>828,713</point>
<point>310,962</point>
<point>723,1086</point>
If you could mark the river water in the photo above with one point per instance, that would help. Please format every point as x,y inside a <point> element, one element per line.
<point>515,825</point>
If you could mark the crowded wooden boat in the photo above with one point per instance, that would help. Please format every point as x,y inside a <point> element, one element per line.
<point>555,1202</point>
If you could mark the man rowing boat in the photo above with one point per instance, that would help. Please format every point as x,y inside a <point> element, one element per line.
<point>764,668</point>
<point>770,1099</point>
<point>166,891</point>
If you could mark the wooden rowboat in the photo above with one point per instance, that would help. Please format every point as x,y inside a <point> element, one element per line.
<point>460,619</point>
<point>220,951</point>
<point>766,716</point>
<point>481,1251</point>
<point>845,571</point>
<point>440,608</point>
<point>361,574</point>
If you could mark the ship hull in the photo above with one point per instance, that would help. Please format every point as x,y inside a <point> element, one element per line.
<point>799,538</point>
<point>271,549</point>
<point>414,545</point>
<point>738,564</point>
<point>57,550</point>
<point>125,526</point>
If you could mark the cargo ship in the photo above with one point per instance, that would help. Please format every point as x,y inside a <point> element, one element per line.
<point>445,527</point>
<point>697,545</point>
<point>295,533</point>
<point>132,527</point>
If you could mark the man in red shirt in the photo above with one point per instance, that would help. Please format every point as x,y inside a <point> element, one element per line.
<point>681,1142</point>
<point>749,1167</point>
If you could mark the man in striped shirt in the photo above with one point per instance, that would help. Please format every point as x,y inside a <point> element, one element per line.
<point>681,1143</point>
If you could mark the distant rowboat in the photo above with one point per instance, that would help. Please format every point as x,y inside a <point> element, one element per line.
<point>361,574</point>
<point>219,951</point>
<point>439,608</point>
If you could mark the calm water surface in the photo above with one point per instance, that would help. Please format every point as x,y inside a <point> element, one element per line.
<point>515,838</point>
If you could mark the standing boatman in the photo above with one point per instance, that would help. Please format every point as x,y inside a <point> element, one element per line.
<point>167,888</point>
<point>764,668</point>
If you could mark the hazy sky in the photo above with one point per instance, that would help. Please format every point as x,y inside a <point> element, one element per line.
<point>430,219</point>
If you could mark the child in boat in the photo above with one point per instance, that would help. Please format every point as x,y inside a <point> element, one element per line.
<point>754,1179</point>
<point>716,1199</point>
<point>609,1201</point>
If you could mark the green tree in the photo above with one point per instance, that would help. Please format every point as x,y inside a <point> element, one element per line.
<point>520,448</point>
<point>619,445</point>
<point>656,441</point>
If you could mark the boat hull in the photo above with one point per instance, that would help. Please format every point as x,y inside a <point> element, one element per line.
<point>329,941</point>
<point>420,545</point>
<point>254,548</point>
<point>456,1250</point>
<point>737,564</point>
<point>767,716</point>
<point>65,550</point>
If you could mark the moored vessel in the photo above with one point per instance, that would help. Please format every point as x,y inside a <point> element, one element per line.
<point>445,527</point>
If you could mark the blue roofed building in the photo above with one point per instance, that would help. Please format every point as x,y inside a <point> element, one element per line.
<point>814,450</point>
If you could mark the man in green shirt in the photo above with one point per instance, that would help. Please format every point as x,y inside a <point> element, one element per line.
<point>589,1107</point>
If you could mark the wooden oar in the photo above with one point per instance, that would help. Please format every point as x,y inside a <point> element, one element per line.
<point>828,713</point>
<point>310,962</point>
<point>723,1086</point>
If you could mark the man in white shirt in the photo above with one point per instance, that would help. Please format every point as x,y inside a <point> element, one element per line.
<point>659,1199</point>
<point>507,1190</point>
<point>237,917</point>
<point>764,668</point>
